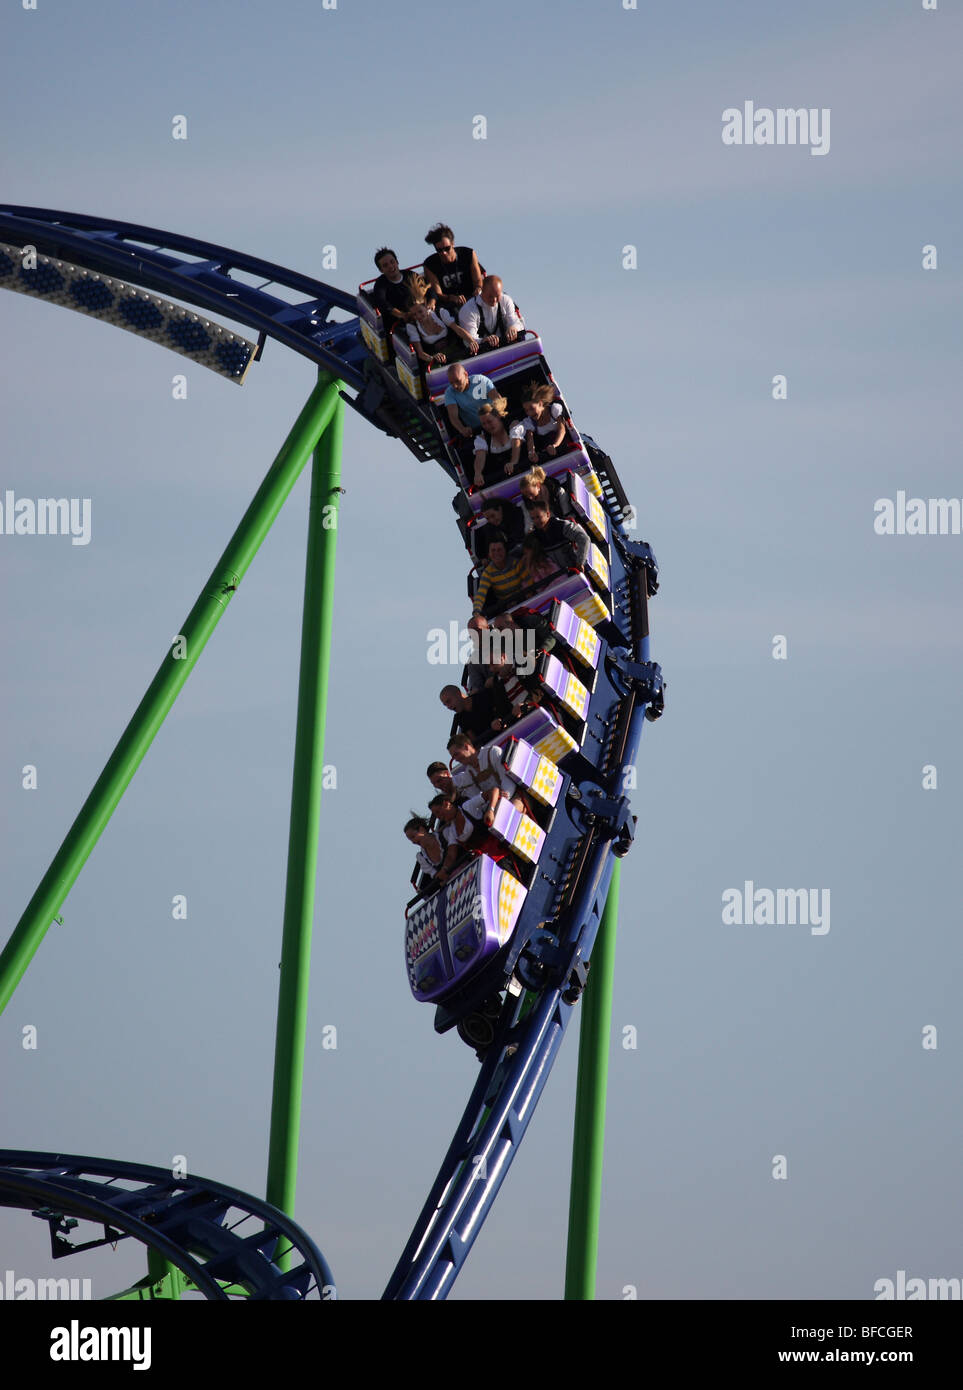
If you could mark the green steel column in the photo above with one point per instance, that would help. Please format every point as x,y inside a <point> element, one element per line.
<point>165,687</point>
<point>589,1143</point>
<point>305,817</point>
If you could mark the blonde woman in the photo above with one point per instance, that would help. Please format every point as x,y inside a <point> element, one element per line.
<point>544,425</point>
<point>432,331</point>
<point>535,487</point>
<point>498,445</point>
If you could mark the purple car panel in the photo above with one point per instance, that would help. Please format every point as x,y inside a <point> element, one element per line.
<point>450,935</point>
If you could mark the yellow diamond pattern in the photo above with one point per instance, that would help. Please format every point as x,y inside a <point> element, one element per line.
<point>555,745</point>
<point>545,780</point>
<point>586,642</point>
<point>597,518</point>
<point>591,481</point>
<point>591,608</point>
<point>576,696</point>
<point>599,565</point>
<point>508,892</point>
<point>527,838</point>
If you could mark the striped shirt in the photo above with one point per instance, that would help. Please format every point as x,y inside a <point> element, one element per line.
<point>516,692</point>
<point>503,583</point>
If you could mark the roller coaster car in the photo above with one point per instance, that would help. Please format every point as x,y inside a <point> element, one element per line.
<point>466,941</point>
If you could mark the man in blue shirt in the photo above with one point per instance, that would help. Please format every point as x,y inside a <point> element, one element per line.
<point>463,397</point>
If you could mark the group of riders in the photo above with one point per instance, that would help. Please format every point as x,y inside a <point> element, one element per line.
<point>450,312</point>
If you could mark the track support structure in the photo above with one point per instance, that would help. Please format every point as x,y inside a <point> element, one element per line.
<point>306,787</point>
<point>167,684</point>
<point>588,1146</point>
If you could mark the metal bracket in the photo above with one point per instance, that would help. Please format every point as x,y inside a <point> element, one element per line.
<point>643,557</point>
<point>645,676</point>
<point>577,978</point>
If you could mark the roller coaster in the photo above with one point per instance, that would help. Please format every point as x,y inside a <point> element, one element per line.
<point>503,948</point>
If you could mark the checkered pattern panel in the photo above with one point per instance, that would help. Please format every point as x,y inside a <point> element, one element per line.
<point>576,696</point>
<point>421,942</point>
<point>592,482</point>
<point>576,634</point>
<point>598,566</point>
<point>461,894</point>
<point>570,690</point>
<point>534,726</point>
<point>511,896</point>
<point>590,510</point>
<point>591,608</point>
<point>547,782</point>
<point>541,777</point>
<point>519,831</point>
<point>587,643</point>
<point>556,745</point>
<point>125,306</point>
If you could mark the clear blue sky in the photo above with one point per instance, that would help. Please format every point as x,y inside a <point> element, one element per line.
<point>353,127</point>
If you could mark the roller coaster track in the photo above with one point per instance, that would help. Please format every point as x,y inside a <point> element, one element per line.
<point>205,275</point>
<point>184,1217</point>
<point>193,1223</point>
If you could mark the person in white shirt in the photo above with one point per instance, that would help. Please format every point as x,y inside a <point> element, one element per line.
<point>490,318</point>
<point>431,850</point>
<point>461,833</point>
<point>432,331</point>
<point>544,425</point>
<point>482,773</point>
<point>498,444</point>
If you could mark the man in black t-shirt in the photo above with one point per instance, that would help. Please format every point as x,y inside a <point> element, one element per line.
<point>453,271</point>
<point>391,292</point>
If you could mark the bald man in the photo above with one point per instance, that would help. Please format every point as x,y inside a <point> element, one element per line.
<point>490,318</point>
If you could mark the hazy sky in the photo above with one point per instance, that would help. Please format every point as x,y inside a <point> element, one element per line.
<point>354,127</point>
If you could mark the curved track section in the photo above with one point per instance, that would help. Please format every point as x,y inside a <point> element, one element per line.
<point>195,1224</point>
<point>544,967</point>
<point>533,1020</point>
<point>209,277</point>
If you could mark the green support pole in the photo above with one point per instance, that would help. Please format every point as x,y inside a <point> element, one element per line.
<point>165,687</point>
<point>305,818</point>
<point>589,1143</point>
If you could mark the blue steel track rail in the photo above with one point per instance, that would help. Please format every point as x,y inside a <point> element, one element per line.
<point>113,248</point>
<point>516,1066</point>
<point>183,1219</point>
<point>200,273</point>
